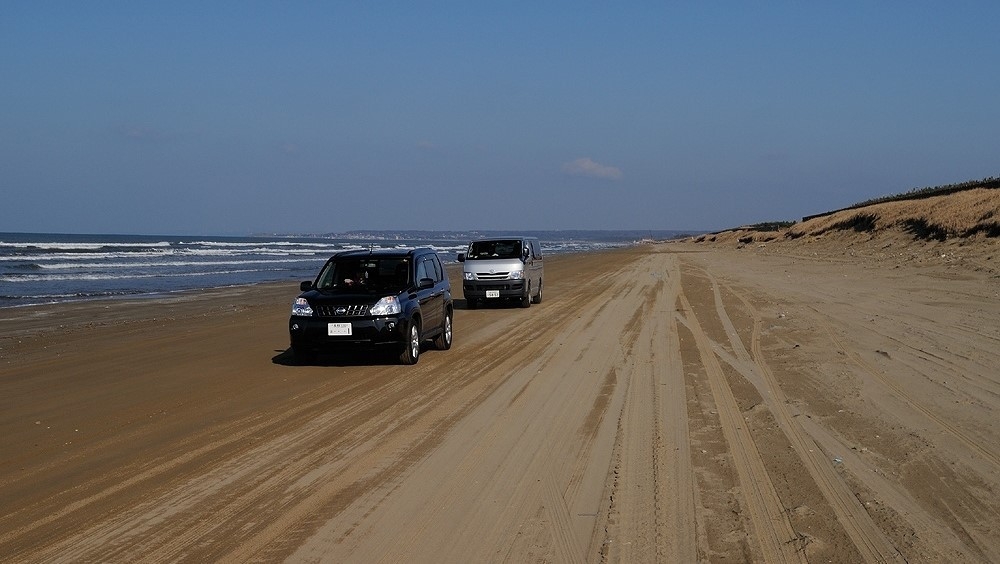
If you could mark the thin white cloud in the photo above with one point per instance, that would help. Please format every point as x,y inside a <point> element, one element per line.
<point>584,166</point>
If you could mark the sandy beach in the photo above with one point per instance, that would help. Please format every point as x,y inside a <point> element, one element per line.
<point>673,402</point>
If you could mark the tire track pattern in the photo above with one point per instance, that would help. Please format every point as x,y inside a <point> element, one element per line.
<point>867,538</point>
<point>770,528</point>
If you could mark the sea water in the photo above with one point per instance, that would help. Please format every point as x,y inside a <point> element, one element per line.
<point>38,268</point>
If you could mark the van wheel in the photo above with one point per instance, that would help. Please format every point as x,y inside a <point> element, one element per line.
<point>411,348</point>
<point>538,297</point>
<point>526,300</point>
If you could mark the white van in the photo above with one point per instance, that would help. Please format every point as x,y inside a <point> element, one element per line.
<point>503,268</point>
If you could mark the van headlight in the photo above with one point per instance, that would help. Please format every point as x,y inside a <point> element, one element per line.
<point>388,305</point>
<point>302,308</point>
<point>516,275</point>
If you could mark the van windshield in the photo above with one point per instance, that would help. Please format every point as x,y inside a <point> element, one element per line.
<point>502,249</point>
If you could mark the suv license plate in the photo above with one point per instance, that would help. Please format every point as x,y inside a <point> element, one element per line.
<point>492,293</point>
<point>338,329</point>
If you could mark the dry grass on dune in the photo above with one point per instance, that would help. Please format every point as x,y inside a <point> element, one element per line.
<point>970,214</point>
<point>961,229</point>
<point>963,214</point>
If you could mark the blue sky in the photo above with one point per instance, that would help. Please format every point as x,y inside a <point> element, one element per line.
<point>248,117</point>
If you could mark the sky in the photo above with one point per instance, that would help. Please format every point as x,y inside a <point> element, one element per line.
<point>234,118</point>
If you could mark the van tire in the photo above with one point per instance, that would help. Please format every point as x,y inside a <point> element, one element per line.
<point>538,297</point>
<point>526,300</point>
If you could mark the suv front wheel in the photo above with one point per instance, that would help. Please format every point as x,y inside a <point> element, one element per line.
<point>411,347</point>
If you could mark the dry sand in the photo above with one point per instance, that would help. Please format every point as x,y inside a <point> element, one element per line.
<point>681,402</point>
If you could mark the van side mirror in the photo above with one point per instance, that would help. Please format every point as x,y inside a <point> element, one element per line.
<point>525,253</point>
<point>461,257</point>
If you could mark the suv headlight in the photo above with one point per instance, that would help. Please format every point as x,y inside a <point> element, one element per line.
<point>516,275</point>
<point>469,275</point>
<point>302,308</point>
<point>388,305</point>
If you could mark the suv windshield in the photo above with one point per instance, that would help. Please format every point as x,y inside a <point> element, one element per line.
<point>505,249</point>
<point>365,275</point>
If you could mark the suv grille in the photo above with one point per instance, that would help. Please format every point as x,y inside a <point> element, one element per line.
<point>343,310</point>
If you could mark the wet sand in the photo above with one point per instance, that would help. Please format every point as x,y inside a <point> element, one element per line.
<point>672,402</point>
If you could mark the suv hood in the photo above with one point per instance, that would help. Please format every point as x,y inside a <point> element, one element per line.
<point>319,296</point>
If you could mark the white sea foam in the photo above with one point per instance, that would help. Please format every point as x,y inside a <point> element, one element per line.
<point>31,278</point>
<point>215,252</point>
<point>177,263</point>
<point>80,246</point>
<point>82,256</point>
<point>331,245</point>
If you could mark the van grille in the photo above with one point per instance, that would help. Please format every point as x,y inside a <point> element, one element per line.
<point>492,275</point>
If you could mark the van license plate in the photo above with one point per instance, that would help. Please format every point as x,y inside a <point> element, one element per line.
<point>492,293</point>
<point>338,329</point>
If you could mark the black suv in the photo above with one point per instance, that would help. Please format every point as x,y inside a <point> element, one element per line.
<point>385,298</point>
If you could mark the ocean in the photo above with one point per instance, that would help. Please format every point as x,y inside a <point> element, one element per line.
<point>41,268</point>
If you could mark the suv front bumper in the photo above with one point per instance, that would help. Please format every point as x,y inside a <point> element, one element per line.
<point>311,333</point>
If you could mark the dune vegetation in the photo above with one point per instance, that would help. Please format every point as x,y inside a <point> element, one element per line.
<point>959,224</point>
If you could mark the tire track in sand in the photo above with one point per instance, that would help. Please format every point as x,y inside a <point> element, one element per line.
<point>770,528</point>
<point>873,545</point>
<point>653,492</point>
<point>901,392</point>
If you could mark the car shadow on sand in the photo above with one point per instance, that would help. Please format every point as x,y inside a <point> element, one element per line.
<point>341,358</point>
<point>493,303</point>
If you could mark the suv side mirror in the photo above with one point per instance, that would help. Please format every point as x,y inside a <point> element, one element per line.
<point>461,257</point>
<point>426,283</point>
<point>305,286</point>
